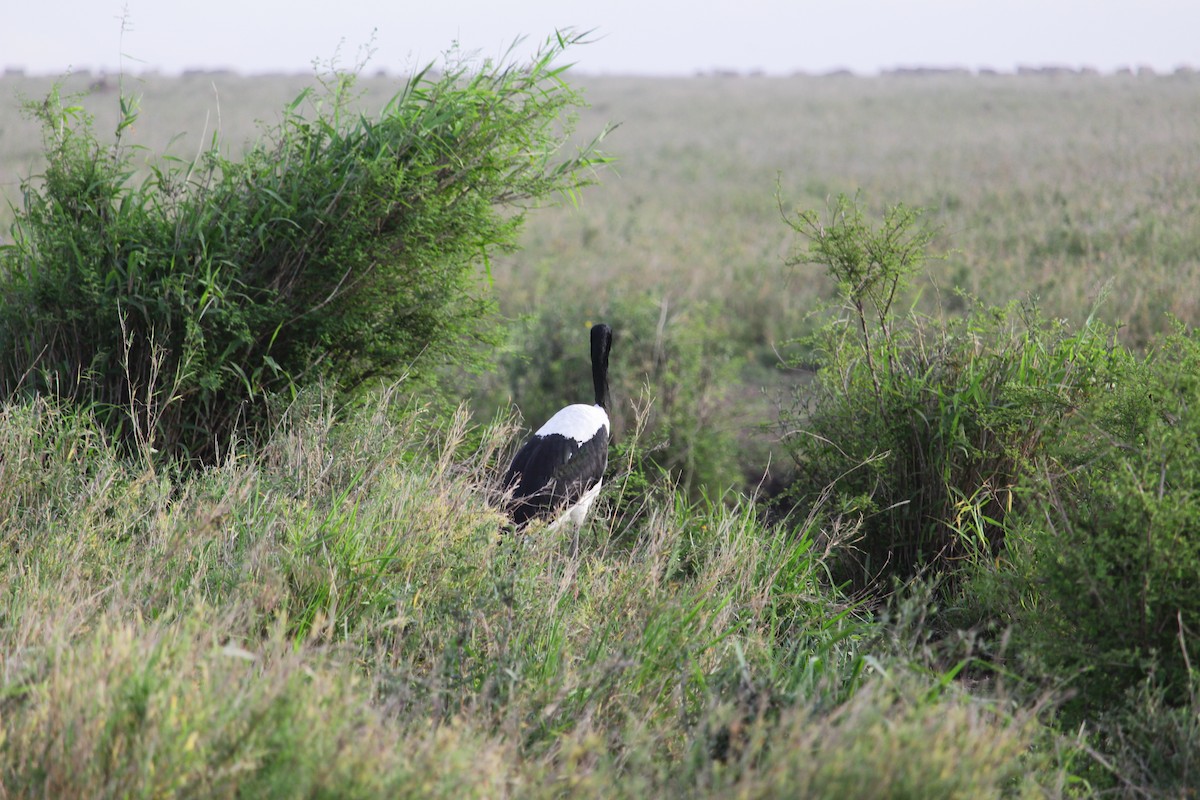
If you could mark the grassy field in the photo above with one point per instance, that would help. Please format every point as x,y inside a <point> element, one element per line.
<point>334,614</point>
<point>1044,185</point>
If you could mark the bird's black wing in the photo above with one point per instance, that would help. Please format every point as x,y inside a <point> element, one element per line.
<point>553,471</point>
<point>536,462</point>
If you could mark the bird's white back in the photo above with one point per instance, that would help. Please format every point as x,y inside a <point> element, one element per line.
<point>580,422</point>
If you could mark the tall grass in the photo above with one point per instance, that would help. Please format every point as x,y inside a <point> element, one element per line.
<point>339,614</point>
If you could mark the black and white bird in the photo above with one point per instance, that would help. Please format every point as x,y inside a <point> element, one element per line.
<point>557,473</point>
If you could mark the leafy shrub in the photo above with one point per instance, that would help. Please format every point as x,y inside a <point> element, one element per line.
<point>1113,534</point>
<point>923,426</point>
<point>343,247</point>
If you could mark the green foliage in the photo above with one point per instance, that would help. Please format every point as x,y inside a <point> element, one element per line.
<point>1153,741</point>
<point>1057,465</point>
<point>923,426</point>
<point>1113,550</point>
<point>344,247</point>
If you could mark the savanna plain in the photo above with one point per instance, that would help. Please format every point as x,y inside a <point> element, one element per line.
<point>903,500</point>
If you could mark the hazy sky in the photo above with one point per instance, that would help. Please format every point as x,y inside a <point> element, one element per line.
<point>636,36</point>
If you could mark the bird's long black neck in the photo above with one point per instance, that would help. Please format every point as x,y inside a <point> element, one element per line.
<point>601,344</point>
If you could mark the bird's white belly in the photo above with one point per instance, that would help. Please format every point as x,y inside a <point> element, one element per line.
<point>575,515</point>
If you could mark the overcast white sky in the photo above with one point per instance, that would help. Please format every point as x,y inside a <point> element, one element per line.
<point>637,36</point>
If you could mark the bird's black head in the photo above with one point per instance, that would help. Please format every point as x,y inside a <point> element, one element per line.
<point>602,337</point>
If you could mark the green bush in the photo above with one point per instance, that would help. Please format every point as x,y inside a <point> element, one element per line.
<point>922,426</point>
<point>1112,556</point>
<point>344,247</point>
